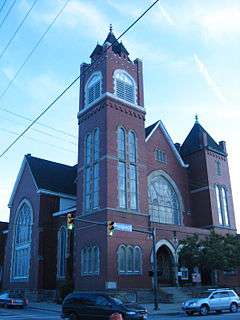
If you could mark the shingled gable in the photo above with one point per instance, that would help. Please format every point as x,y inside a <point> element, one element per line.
<point>152,128</point>
<point>198,139</point>
<point>49,177</point>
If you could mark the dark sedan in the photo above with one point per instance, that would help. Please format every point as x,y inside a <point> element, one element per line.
<point>12,300</point>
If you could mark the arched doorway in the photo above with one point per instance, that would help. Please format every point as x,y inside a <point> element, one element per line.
<point>165,266</point>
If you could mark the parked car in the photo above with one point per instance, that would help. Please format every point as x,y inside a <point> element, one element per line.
<point>89,306</point>
<point>212,300</point>
<point>12,300</point>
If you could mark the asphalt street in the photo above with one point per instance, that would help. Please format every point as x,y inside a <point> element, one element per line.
<point>34,314</point>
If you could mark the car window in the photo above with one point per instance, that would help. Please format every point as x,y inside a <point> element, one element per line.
<point>102,301</point>
<point>85,300</point>
<point>4,295</point>
<point>231,294</point>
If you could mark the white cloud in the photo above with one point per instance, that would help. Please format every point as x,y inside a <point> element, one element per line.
<point>81,16</point>
<point>209,79</point>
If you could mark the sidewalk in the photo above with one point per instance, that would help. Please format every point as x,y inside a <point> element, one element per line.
<point>164,308</point>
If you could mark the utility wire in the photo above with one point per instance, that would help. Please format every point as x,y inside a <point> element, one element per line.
<point>39,123</point>
<point>32,51</point>
<point>43,132</point>
<point>74,81</point>
<point>18,28</point>
<point>7,14</point>
<point>2,6</point>
<point>39,141</point>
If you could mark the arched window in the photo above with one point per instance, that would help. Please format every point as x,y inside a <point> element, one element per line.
<point>124,86</point>
<point>92,177</point>
<point>62,252</point>
<point>93,88</point>
<point>132,170</point>
<point>122,194</point>
<point>164,205</point>
<point>222,206</point>
<point>129,259</point>
<point>90,261</point>
<point>22,242</point>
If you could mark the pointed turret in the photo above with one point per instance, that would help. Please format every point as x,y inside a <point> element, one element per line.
<point>198,139</point>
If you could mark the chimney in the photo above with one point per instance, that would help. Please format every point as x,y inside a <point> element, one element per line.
<point>222,145</point>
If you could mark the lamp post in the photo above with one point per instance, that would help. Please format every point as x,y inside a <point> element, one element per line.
<point>175,244</point>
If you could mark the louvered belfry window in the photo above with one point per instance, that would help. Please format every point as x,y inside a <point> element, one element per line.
<point>93,88</point>
<point>124,86</point>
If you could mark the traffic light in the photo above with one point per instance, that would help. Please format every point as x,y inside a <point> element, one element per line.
<point>110,226</point>
<point>70,221</point>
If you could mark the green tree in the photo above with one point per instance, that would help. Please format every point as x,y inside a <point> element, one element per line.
<point>190,253</point>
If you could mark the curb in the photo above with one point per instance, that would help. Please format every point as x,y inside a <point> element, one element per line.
<point>43,309</point>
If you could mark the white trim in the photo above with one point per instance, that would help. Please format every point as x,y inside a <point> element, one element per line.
<point>127,75</point>
<point>169,140</point>
<point>167,243</point>
<point>57,194</point>
<point>100,77</point>
<point>5,232</point>
<point>63,212</point>
<point>109,95</point>
<point>17,181</point>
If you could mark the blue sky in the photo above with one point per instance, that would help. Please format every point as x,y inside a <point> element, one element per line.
<point>190,50</point>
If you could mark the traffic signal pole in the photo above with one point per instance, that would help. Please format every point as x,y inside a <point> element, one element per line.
<point>152,233</point>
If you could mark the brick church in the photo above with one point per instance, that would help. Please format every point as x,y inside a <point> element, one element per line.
<point>127,173</point>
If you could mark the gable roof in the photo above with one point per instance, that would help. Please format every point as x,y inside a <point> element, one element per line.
<point>198,139</point>
<point>151,129</point>
<point>48,176</point>
<point>53,176</point>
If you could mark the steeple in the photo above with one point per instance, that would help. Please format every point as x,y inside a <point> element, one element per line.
<point>198,139</point>
<point>117,47</point>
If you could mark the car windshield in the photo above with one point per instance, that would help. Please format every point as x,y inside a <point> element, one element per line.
<point>203,294</point>
<point>116,301</point>
<point>4,295</point>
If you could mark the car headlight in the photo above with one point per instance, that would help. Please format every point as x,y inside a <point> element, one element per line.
<point>131,313</point>
<point>193,304</point>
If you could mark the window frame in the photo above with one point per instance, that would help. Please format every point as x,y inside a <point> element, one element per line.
<point>20,248</point>
<point>124,73</point>
<point>89,255</point>
<point>62,264</point>
<point>88,86</point>
<point>126,252</point>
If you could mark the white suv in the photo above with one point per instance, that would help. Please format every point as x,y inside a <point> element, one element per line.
<point>212,300</point>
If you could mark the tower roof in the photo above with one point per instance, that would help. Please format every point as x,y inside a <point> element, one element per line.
<point>197,139</point>
<point>117,46</point>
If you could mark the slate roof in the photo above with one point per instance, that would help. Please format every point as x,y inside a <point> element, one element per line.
<point>149,129</point>
<point>52,176</point>
<point>194,141</point>
<point>117,46</point>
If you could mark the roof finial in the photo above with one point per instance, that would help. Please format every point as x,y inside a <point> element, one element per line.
<point>196,118</point>
<point>110,28</point>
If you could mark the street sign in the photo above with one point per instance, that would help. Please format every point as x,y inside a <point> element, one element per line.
<point>122,227</point>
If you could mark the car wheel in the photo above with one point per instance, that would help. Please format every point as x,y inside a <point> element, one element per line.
<point>233,307</point>
<point>189,313</point>
<point>73,316</point>
<point>203,310</point>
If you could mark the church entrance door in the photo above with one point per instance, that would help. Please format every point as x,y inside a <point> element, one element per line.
<point>165,264</point>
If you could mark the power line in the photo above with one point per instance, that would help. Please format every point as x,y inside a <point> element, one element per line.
<point>43,132</point>
<point>74,81</point>
<point>39,141</point>
<point>18,28</point>
<point>8,13</point>
<point>39,123</point>
<point>1,8</point>
<point>33,49</point>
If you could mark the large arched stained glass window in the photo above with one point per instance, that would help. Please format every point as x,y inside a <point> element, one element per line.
<point>22,242</point>
<point>164,205</point>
